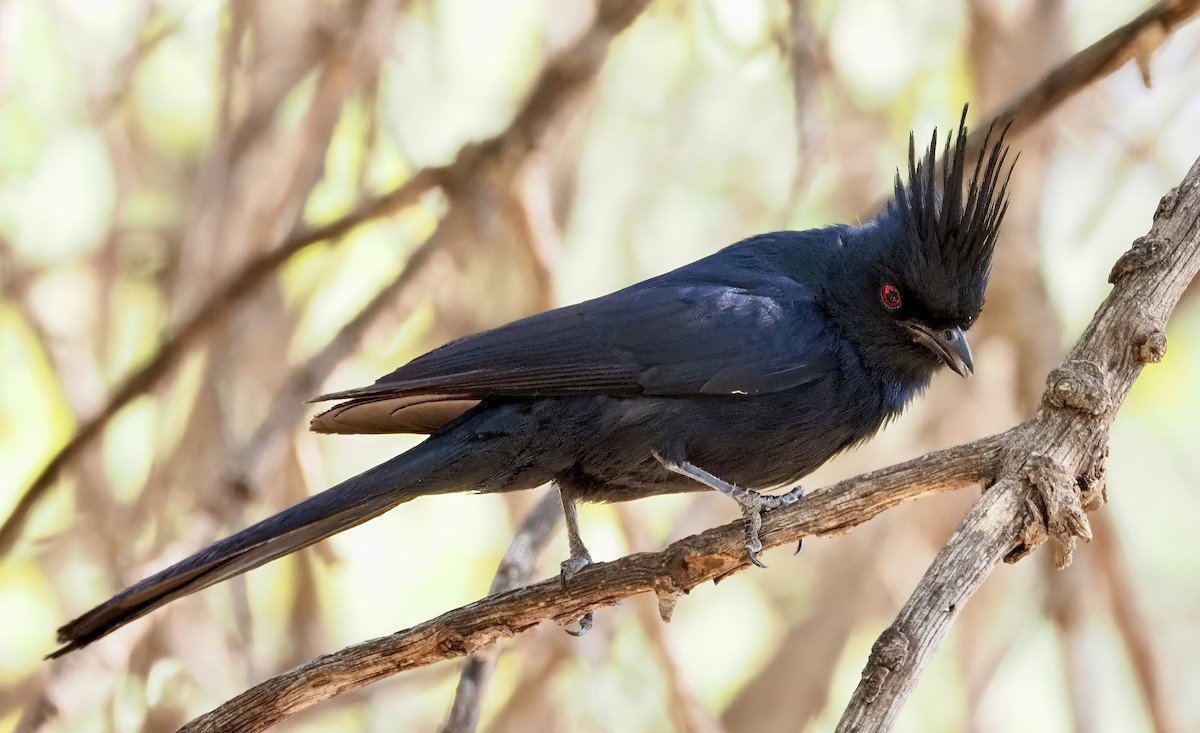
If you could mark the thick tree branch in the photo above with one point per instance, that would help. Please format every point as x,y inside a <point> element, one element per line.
<point>1053,468</point>
<point>670,573</point>
<point>563,78</point>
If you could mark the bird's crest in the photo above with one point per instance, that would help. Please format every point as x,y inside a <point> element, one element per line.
<point>948,232</point>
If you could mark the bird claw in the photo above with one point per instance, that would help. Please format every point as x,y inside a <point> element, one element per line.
<point>585,624</point>
<point>571,566</point>
<point>799,546</point>
<point>753,555</point>
<point>753,503</point>
<point>568,570</point>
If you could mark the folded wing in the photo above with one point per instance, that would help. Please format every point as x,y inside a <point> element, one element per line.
<point>659,338</point>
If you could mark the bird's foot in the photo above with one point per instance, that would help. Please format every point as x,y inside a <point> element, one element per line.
<point>753,504</point>
<point>585,624</point>
<point>569,568</point>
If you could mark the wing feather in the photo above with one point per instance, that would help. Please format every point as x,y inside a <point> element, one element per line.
<point>658,338</point>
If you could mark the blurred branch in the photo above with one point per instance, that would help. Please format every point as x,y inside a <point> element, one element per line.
<point>987,661</point>
<point>527,199</point>
<point>1067,604</point>
<point>1006,56</point>
<point>1136,41</point>
<point>805,56</point>
<point>563,78</point>
<point>516,568</point>
<point>1133,624</point>
<point>531,205</point>
<point>18,695</point>
<point>670,573</point>
<point>155,30</point>
<point>1053,470</point>
<point>810,649</point>
<point>687,713</point>
<point>288,405</point>
<point>533,705</point>
<point>1135,150</point>
<point>35,716</point>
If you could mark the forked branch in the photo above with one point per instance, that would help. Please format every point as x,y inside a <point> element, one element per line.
<point>1053,466</point>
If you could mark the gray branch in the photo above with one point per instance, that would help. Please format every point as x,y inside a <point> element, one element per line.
<point>1053,466</point>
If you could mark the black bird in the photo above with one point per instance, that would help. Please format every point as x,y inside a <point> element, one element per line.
<point>745,370</point>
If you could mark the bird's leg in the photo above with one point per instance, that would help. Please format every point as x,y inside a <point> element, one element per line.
<point>579,558</point>
<point>752,502</point>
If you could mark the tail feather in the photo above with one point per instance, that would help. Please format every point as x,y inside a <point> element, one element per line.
<point>354,501</point>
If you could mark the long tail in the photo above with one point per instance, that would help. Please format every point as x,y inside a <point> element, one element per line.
<point>429,468</point>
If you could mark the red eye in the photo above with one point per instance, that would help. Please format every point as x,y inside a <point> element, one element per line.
<point>890,295</point>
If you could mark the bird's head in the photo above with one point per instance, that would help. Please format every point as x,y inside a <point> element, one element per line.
<point>912,281</point>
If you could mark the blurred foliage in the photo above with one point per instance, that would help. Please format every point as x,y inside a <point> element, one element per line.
<point>120,124</point>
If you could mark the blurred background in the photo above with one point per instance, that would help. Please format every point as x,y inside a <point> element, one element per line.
<point>153,151</point>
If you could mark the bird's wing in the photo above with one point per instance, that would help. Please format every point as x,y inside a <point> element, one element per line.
<point>661,337</point>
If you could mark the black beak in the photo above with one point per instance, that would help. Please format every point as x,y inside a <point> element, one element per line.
<point>950,345</point>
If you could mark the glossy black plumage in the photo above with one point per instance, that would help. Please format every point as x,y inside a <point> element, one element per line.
<point>752,367</point>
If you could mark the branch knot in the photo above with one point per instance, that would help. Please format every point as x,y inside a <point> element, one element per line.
<point>1093,482</point>
<point>1166,205</point>
<point>1144,252</point>
<point>1152,347</point>
<point>888,654</point>
<point>1078,385</point>
<point>456,644</point>
<point>667,599</point>
<point>1055,508</point>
